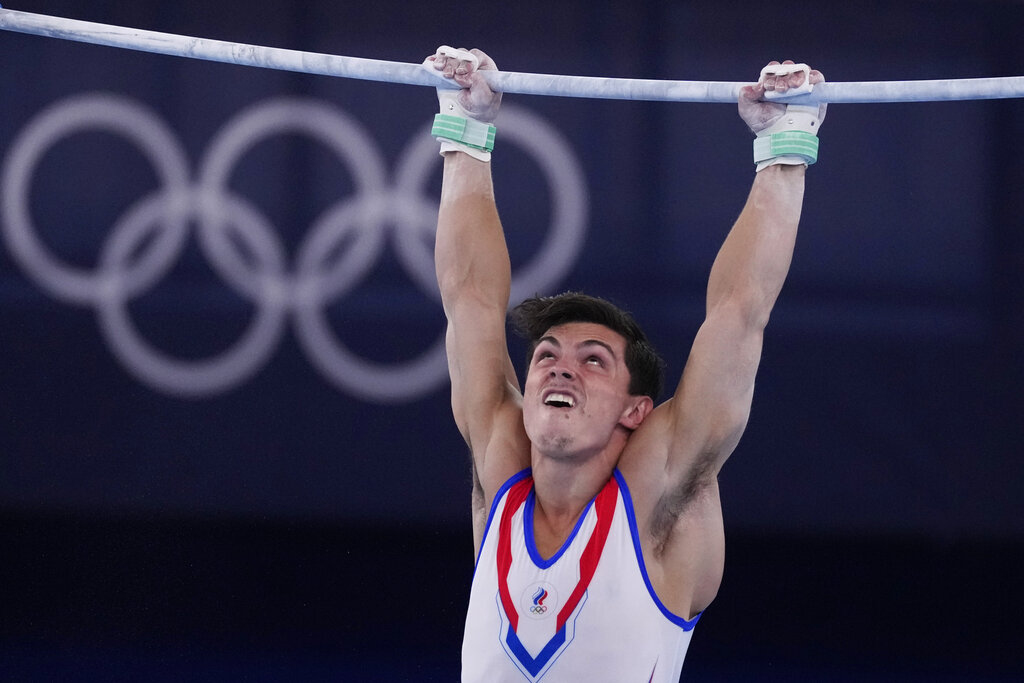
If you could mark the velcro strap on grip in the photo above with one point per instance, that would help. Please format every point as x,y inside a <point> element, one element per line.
<point>792,143</point>
<point>469,132</point>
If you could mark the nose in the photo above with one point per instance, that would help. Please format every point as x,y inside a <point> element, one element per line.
<point>567,374</point>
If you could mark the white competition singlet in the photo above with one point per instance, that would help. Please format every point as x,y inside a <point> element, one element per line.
<point>587,614</point>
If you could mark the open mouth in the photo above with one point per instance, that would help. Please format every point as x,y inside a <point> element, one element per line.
<point>559,401</point>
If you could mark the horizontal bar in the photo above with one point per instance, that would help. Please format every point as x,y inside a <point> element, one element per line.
<point>505,81</point>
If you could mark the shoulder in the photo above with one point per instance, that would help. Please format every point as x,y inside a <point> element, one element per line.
<point>668,465</point>
<point>646,459</point>
<point>675,499</point>
<point>502,453</point>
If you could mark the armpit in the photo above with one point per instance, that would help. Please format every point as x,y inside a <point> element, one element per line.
<point>702,481</point>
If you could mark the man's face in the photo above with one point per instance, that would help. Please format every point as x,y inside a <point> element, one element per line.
<point>577,390</point>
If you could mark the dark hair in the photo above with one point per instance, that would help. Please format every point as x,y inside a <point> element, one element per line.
<point>535,316</point>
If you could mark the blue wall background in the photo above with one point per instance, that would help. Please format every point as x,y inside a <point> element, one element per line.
<point>877,491</point>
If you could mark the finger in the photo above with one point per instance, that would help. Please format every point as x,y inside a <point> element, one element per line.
<point>454,67</point>
<point>440,58</point>
<point>443,63</point>
<point>485,61</point>
<point>786,81</point>
<point>463,67</point>
<point>768,76</point>
<point>816,77</point>
<point>456,60</point>
<point>465,75</point>
<point>752,92</point>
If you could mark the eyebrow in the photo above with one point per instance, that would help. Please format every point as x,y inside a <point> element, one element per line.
<point>589,342</point>
<point>550,340</point>
<point>596,342</point>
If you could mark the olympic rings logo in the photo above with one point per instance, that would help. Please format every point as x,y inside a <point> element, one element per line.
<point>147,240</point>
<point>537,599</point>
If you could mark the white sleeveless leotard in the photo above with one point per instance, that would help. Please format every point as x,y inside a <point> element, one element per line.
<point>586,615</point>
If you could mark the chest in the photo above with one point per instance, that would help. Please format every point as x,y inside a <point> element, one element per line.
<point>565,606</point>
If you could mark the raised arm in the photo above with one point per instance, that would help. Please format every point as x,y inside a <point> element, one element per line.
<point>712,401</point>
<point>474,275</point>
<point>673,459</point>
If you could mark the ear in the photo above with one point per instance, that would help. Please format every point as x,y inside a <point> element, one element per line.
<point>637,410</point>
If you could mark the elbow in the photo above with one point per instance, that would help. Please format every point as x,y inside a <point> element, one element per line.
<point>471,285</point>
<point>724,433</point>
<point>451,283</point>
<point>455,282</point>
<point>750,296</point>
<point>748,309</point>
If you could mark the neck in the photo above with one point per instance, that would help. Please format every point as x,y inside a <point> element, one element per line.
<point>564,485</point>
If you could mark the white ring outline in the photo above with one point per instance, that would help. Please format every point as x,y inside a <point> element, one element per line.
<point>220,214</point>
<point>214,373</point>
<point>98,111</point>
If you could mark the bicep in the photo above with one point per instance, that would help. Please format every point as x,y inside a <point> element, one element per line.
<point>479,366</point>
<point>673,459</point>
<point>685,441</point>
<point>713,398</point>
<point>486,401</point>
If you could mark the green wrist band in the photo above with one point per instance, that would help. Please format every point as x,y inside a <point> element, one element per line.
<point>469,132</point>
<point>793,143</point>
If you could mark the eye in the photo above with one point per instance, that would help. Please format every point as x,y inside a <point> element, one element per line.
<point>595,360</point>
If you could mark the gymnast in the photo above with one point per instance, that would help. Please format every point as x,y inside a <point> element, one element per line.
<point>596,514</point>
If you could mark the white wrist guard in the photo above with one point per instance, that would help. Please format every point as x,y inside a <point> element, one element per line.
<point>793,138</point>
<point>454,127</point>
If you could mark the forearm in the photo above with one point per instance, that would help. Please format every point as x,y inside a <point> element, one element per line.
<point>471,260</point>
<point>471,257</point>
<point>752,264</point>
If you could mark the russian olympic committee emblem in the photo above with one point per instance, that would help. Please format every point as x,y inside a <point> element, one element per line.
<point>145,242</point>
